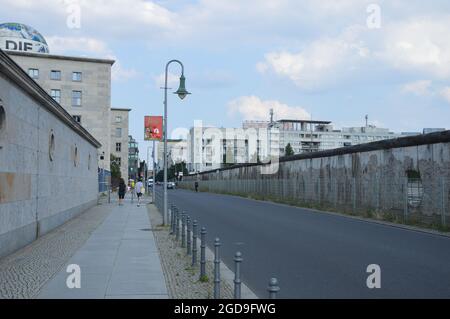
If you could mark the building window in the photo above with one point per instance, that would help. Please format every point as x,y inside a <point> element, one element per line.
<point>77,118</point>
<point>76,98</point>
<point>55,75</point>
<point>119,161</point>
<point>77,76</point>
<point>33,73</point>
<point>118,147</point>
<point>118,132</point>
<point>56,95</point>
<point>118,119</point>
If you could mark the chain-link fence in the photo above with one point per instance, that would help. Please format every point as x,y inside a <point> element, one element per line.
<point>408,200</point>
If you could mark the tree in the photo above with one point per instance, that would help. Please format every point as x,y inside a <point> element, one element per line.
<point>288,151</point>
<point>115,170</point>
<point>228,157</point>
<point>172,171</point>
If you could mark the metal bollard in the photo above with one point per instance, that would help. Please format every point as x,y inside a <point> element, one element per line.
<point>177,218</point>
<point>175,222</point>
<point>188,230</point>
<point>170,212</point>
<point>203,253</point>
<point>217,269</point>
<point>194,243</point>
<point>183,230</point>
<point>174,218</point>
<point>177,226</point>
<point>237,275</point>
<point>273,288</point>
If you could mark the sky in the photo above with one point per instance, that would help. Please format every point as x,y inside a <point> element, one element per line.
<point>335,60</point>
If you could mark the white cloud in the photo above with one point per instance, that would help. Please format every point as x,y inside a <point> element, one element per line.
<point>426,88</point>
<point>445,93</point>
<point>120,74</point>
<point>129,18</point>
<point>253,108</point>
<point>419,45</point>
<point>61,45</point>
<point>173,80</point>
<point>94,48</point>
<point>416,46</point>
<point>189,22</point>
<point>132,16</point>
<point>320,62</point>
<point>420,88</point>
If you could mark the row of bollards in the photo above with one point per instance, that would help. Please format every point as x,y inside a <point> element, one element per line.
<point>183,228</point>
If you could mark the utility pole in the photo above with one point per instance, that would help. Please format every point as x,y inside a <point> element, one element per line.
<point>154,173</point>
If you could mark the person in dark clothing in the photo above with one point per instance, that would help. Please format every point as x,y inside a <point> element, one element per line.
<point>196,186</point>
<point>122,190</point>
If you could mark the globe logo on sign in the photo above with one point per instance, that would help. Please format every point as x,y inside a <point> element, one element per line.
<point>20,37</point>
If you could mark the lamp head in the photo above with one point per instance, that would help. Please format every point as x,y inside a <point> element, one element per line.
<point>182,92</point>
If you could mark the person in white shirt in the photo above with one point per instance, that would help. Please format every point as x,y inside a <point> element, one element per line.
<point>139,191</point>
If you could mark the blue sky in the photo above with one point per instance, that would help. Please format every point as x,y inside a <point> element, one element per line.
<point>241,58</point>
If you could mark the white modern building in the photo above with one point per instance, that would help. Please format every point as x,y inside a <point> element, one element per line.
<point>312,136</point>
<point>177,152</point>
<point>212,148</point>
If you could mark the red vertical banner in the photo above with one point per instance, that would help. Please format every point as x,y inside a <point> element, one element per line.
<point>153,128</point>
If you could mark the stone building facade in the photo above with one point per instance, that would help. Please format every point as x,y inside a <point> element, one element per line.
<point>82,86</point>
<point>119,138</point>
<point>48,161</point>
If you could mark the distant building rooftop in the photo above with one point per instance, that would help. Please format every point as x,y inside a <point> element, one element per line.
<point>120,109</point>
<point>304,121</point>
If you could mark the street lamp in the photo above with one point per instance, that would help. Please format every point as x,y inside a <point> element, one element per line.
<point>182,93</point>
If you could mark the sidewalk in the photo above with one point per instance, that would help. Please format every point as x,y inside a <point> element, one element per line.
<point>119,261</point>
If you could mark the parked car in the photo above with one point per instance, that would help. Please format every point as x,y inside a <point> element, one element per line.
<point>170,185</point>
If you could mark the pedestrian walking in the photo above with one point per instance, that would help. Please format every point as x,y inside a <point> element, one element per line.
<point>122,191</point>
<point>196,186</point>
<point>139,191</point>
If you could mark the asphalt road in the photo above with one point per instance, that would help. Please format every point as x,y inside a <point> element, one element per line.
<point>319,255</point>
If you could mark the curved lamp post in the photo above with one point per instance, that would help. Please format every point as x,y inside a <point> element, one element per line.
<point>182,93</point>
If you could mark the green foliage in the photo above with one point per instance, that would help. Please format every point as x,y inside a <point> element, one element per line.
<point>171,172</point>
<point>413,174</point>
<point>204,279</point>
<point>288,150</point>
<point>115,171</point>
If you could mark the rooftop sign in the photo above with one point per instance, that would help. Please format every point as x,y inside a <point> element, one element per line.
<point>20,37</point>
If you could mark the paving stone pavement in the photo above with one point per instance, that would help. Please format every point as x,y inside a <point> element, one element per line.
<point>119,261</point>
<point>24,273</point>
<point>182,280</point>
